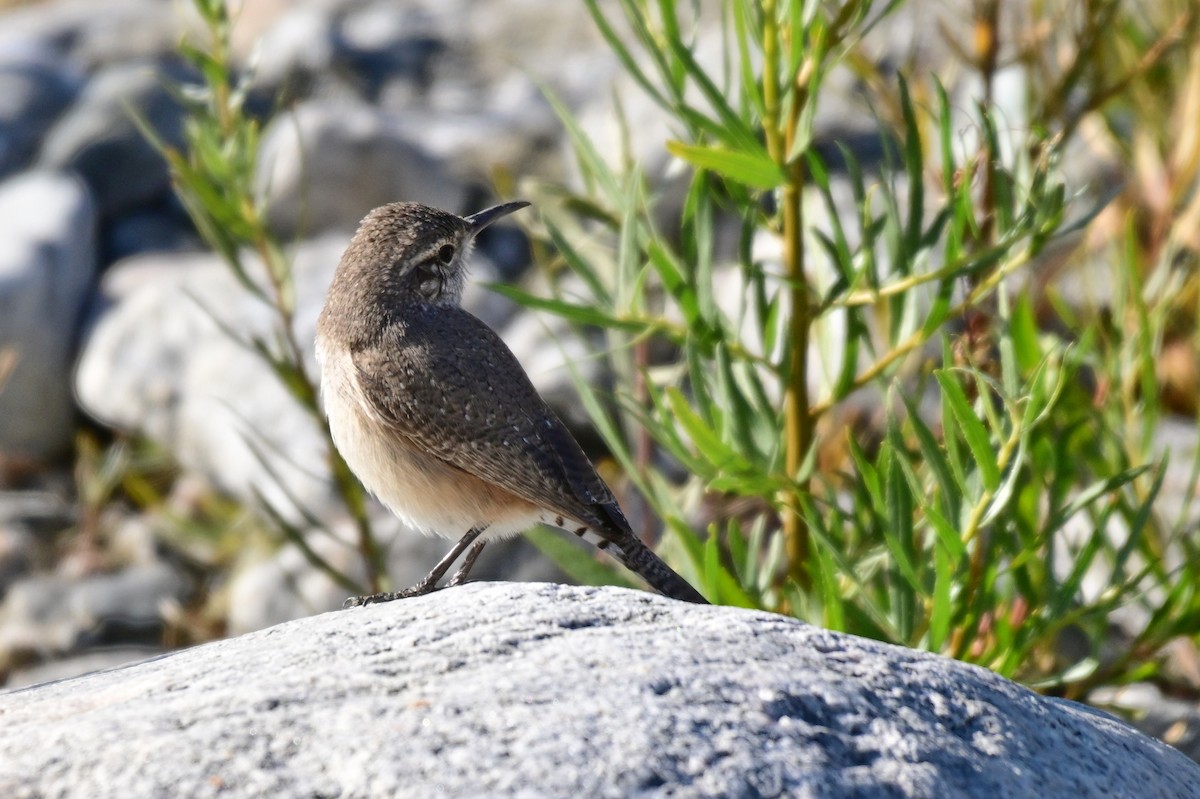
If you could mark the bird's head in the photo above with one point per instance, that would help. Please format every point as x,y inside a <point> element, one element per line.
<point>406,252</point>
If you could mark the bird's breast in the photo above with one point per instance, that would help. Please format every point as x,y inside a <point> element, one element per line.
<point>424,491</point>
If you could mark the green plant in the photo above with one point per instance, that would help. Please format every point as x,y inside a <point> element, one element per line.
<point>968,517</point>
<point>214,176</point>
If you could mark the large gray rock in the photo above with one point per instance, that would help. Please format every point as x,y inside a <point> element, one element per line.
<point>516,690</point>
<point>47,264</point>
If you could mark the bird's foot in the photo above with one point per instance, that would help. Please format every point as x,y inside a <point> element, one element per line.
<point>420,589</point>
<point>430,583</point>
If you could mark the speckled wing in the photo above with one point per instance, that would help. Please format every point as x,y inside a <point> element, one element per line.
<point>446,382</point>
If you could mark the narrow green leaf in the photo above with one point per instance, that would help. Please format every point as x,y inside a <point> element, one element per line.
<point>704,235</point>
<point>706,440</point>
<point>948,536</point>
<point>914,167</point>
<point>942,604</point>
<point>1005,491</point>
<point>616,43</point>
<point>827,578</point>
<point>720,582</point>
<point>739,413</point>
<point>574,312</point>
<point>867,473</point>
<point>735,131</point>
<point>972,428</point>
<point>898,534</point>
<point>945,121</point>
<point>747,48</point>
<point>751,169</point>
<point>580,564</point>
<point>591,165</point>
<point>578,265</point>
<point>948,487</point>
<point>1024,330</point>
<point>741,555</point>
<point>1093,492</point>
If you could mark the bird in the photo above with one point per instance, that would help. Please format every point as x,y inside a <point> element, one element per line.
<point>435,415</point>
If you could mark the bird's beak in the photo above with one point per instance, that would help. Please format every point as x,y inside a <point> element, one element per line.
<point>484,218</point>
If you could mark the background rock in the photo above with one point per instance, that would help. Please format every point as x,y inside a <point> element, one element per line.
<point>326,165</point>
<point>526,690</point>
<point>47,265</point>
<point>99,139</point>
<point>293,52</point>
<point>123,30</point>
<point>163,361</point>
<point>34,90</point>
<point>30,520</point>
<point>45,616</point>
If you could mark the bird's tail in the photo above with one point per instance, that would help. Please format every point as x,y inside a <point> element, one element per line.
<point>613,535</point>
<point>640,560</point>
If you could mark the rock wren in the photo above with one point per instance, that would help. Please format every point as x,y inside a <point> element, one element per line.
<point>434,413</point>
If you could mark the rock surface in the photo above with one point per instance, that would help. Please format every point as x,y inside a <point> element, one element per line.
<point>526,690</point>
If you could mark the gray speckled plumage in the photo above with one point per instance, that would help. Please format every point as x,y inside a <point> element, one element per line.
<point>446,382</point>
<point>434,413</point>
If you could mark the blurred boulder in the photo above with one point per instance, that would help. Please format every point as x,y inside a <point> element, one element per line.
<point>326,164</point>
<point>51,615</point>
<point>89,36</point>
<point>34,90</point>
<point>293,51</point>
<point>47,265</point>
<point>158,361</point>
<point>99,139</point>
<point>164,228</point>
<point>385,41</point>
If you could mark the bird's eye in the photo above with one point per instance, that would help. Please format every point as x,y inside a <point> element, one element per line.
<point>446,254</point>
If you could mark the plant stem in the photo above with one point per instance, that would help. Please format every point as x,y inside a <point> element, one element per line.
<point>229,119</point>
<point>798,426</point>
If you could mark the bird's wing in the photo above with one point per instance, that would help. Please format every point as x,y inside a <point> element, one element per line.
<point>446,382</point>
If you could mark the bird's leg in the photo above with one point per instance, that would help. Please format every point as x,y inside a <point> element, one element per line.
<point>460,576</point>
<point>429,582</point>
